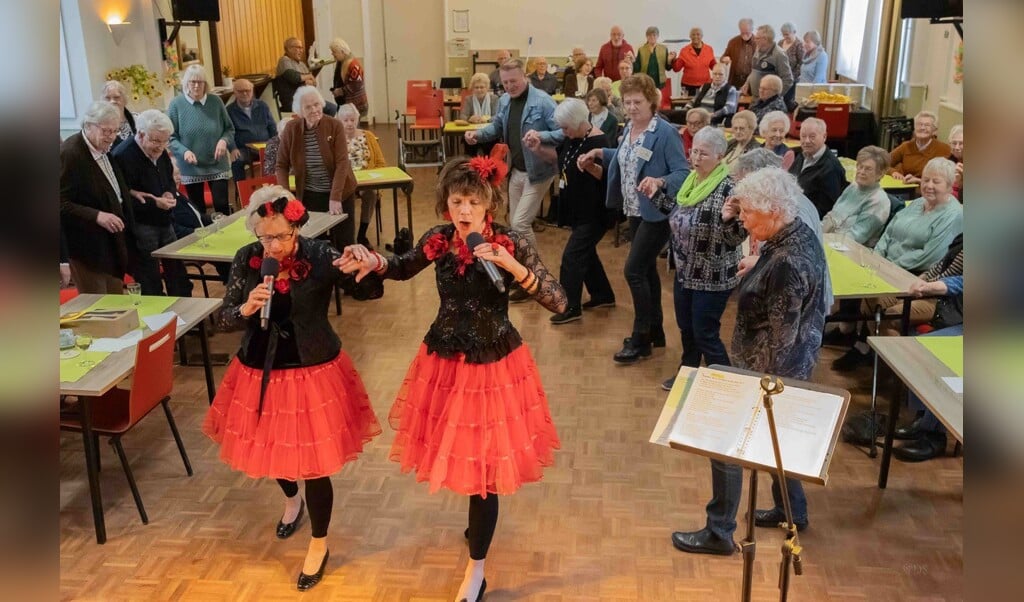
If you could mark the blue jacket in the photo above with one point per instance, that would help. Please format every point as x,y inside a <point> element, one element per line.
<point>538,115</point>
<point>259,128</point>
<point>667,161</point>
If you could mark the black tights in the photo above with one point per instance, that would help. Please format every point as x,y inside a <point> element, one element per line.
<point>483,516</point>
<point>319,501</point>
<point>218,192</point>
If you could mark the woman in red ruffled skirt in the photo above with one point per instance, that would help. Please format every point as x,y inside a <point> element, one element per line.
<point>291,405</point>
<point>471,415</point>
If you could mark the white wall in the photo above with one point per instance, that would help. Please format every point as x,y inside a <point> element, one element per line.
<point>558,25</point>
<point>929,82</point>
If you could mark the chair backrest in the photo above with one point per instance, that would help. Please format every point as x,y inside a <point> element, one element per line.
<point>153,377</point>
<point>836,118</point>
<point>251,185</point>
<point>896,204</point>
<point>430,110</point>
<point>277,97</point>
<point>414,88</point>
<point>67,294</point>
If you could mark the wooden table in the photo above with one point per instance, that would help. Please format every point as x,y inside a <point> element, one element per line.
<point>922,373</point>
<point>453,134</point>
<point>114,368</point>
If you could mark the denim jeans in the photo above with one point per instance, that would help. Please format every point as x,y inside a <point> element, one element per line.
<point>797,499</point>
<point>641,272</point>
<point>581,266</point>
<point>726,488</point>
<point>149,238</point>
<point>699,316</point>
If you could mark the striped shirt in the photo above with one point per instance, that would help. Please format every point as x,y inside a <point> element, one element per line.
<point>318,179</point>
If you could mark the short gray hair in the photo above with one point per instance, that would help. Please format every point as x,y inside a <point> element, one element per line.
<point>603,82</point>
<point>714,138</point>
<point>877,154</point>
<point>956,129</point>
<point>941,167</point>
<point>513,64</point>
<point>693,29</point>
<point>262,196</point>
<point>770,190</point>
<point>652,29</point>
<point>770,118</point>
<point>113,83</point>
<point>774,81</point>
<point>928,115</point>
<point>482,78</point>
<point>193,72</point>
<point>342,45</point>
<point>348,109</point>
<point>101,112</point>
<point>787,27</point>
<point>572,113</point>
<point>767,31</point>
<point>704,114</point>
<point>754,160</point>
<point>745,21</point>
<point>152,120</point>
<point>813,36</point>
<point>303,92</point>
<point>748,116</point>
<point>814,121</point>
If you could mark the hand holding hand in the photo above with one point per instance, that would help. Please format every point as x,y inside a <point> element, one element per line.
<point>470,137</point>
<point>532,140</point>
<point>650,186</point>
<point>358,259</point>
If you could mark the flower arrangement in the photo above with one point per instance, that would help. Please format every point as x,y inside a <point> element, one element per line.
<point>172,66</point>
<point>141,82</point>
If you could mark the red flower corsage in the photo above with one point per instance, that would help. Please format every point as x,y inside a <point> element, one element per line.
<point>489,169</point>
<point>436,246</point>
<point>296,269</point>
<point>299,270</point>
<point>293,210</point>
<point>255,262</point>
<point>282,285</point>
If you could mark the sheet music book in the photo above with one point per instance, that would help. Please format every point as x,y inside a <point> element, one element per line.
<point>719,413</point>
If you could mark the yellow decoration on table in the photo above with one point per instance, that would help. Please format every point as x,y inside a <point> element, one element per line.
<point>139,81</point>
<point>829,98</point>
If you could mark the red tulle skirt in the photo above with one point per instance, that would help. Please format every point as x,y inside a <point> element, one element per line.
<point>314,420</point>
<point>473,428</point>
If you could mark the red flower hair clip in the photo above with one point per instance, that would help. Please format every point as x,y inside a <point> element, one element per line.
<point>489,169</point>
<point>293,210</point>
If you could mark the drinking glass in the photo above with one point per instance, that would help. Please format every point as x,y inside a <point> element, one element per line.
<point>217,216</point>
<point>135,292</point>
<point>83,341</point>
<point>865,262</point>
<point>202,232</point>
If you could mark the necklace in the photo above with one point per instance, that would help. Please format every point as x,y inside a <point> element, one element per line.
<point>574,149</point>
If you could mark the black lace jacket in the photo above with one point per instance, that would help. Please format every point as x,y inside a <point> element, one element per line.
<point>473,316</point>
<point>306,337</point>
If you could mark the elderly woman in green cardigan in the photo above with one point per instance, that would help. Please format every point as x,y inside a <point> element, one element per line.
<point>862,210</point>
<point>203,140</point>
<point>653,58</point>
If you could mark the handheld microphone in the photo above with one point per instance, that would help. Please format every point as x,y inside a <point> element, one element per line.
<point>268,270</point>
<point>473,240</point>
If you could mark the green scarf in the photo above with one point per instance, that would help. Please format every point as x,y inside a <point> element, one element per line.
<point>692,193</point>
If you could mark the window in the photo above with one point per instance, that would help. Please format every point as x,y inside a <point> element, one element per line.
<point>858,40</point>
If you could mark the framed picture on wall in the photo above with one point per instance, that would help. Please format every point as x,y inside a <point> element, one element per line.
<point>460,21</point>
<point>190,51</point>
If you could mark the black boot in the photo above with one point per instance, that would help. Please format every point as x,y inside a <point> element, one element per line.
<point>634,349</point>
<point>361,237</point>
<point>926,447</point>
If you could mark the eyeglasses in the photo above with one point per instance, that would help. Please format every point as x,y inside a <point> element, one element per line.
<point>694,152</point>
<point>106,131</point>
<point>266,240</point>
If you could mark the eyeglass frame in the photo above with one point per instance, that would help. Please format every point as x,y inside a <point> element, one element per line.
<point>281,238</point>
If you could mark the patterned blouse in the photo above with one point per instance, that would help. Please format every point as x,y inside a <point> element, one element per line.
<point>358,152</point>
<point>629,167</point>
<point>780,309</point>
<point>707,251</point>
<point>472,320</point>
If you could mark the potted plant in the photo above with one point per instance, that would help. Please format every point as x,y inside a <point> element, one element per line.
<point>140,81</point>
<point>226,72</point>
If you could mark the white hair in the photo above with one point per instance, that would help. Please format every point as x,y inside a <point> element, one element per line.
<point>770,190</point>
<point>113,83</point>
<point>712,137</point>
<point>704,114</point>
<point>101,112</point>
<point>605,83</point>
<point>928,115</point>
<point>767,31</point>
<point>348,109</point>
<point>572,113</point>
<point>773,81</point>
<point>745,21</point>
<point>814,121</point>
<point>941,167</point>
<point>192,72</point>
<point>262,196</point>
<point>956,129</point>
<point>770,118</point>
<point>152,120</point>
<point>787,27</point>
<point>813,36</point>
<point>342,45</point>
<point>754,160</point>
<point>303,92</point>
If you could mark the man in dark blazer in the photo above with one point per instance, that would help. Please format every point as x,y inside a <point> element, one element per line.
<point>816,168</point>
<point>95,204</point>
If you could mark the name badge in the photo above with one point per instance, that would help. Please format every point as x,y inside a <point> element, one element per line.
<point>644,153</point>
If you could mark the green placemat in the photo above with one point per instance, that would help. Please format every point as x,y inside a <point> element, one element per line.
<point>381,173</point>
<point>70,371</point>
<point>949,350</point>
<point>848,278</point>
<point>148,305</point>
<point>224,242</point>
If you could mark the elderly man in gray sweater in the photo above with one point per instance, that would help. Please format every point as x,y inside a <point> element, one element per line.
<point>768,59</point>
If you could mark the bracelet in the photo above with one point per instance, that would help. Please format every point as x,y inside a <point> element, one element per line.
<point>382,264</point>
<point>528,281</point>
<point>534,286</point>
<point>529,273</point>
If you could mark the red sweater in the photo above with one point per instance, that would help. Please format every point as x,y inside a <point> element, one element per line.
<point>696,68</point>
<point>608,59</point>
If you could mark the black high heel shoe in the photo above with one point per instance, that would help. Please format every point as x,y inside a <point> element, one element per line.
<point>307,581</point>
<point>479,594</point>
<point>285,530</point>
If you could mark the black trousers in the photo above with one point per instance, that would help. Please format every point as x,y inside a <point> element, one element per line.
<point>483,517</point>
<point>319,501</point>
<point>342,235</point>
<point>581,266</point>
<point>219,192</point>
<point>641,272</point>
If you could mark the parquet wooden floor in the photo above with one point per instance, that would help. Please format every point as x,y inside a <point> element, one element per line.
<point>596,528</point>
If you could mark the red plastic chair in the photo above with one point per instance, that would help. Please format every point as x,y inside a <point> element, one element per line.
<point>430,111</point>
<point>117,411</point>
<point>837,121</point>
<point>67,294</point>
<point>414,88</point>
<point>247,187</point>
<point>207,195</point>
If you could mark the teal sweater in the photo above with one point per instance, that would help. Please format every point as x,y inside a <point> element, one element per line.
<point>861,213</point>
<point>198,128</point>
<point>914,240</point>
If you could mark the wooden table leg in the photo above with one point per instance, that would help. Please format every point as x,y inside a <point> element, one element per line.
<point>92,469</point>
